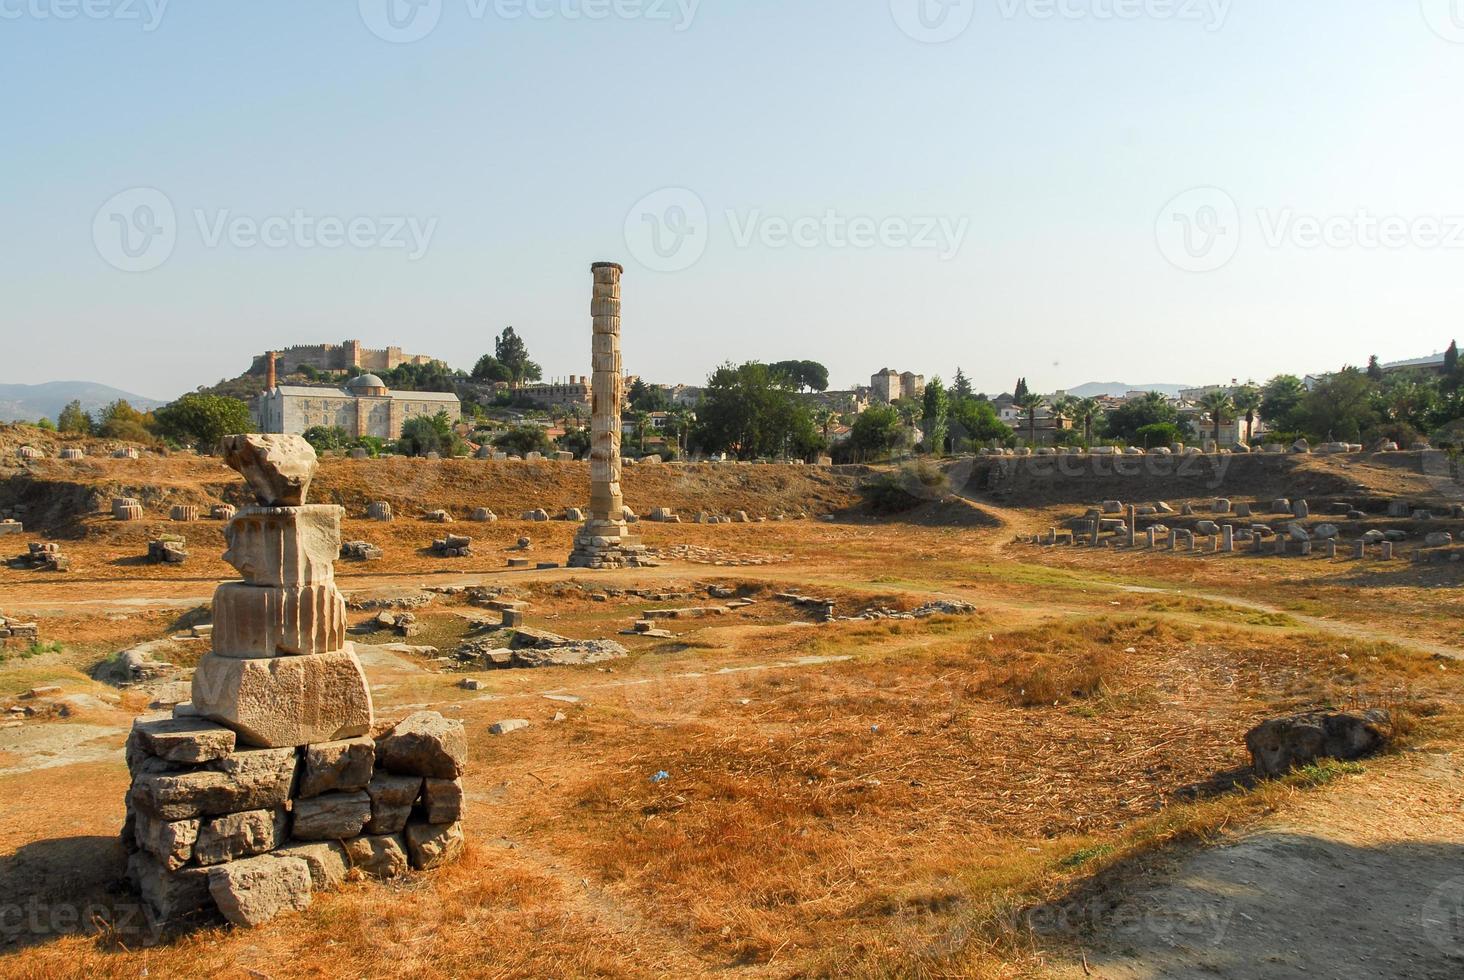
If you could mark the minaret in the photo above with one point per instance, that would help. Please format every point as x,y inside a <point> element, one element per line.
<point>605,541</point>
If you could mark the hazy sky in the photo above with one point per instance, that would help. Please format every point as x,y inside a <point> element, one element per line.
<point>1005,185</point>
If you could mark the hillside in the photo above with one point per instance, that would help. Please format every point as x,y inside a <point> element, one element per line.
<point>1117,389</point>
<point>30,402</point>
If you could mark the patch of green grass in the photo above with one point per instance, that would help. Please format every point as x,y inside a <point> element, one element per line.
<point>1323,772</point>
<point>1079,858</point>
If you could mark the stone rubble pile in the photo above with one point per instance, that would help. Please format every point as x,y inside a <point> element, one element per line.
<point>216,828</point>
<point>360,551</point>
<point>41,556</point>
<point>21,634</point>
<point>170,550</point>
<point>453,546</point>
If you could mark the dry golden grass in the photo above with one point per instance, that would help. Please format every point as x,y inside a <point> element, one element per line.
<point>891,812</point>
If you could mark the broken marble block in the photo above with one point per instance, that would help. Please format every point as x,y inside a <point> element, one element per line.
<point>381,857</point>
<point>392,799</point>
<point>239,835</point>
<point>252,621</point>
<point>251,892</point>
<point>337,767</point>
<point>278,468</point>
<point>169,898</point>
<point>249,780</point>
<point>187,741</point>
<point>424,744</point>
<point>285,546</point>
<point>334,816</point>
<point>285,701</point>
<point>433,845</point>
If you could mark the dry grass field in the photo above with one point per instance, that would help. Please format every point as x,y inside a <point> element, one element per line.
<point>957,795</point>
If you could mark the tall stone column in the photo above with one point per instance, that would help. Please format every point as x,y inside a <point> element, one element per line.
<point>605,540</point>
<point>606,501</point>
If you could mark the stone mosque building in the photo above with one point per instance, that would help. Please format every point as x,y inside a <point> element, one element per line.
<point>364,407</point>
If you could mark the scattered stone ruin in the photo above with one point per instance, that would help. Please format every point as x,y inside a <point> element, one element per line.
<point>14,632</point>
<point>42,556</point>
<point>269,784</point>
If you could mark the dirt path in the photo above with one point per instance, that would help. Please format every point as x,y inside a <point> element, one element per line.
<point>1362,880</point>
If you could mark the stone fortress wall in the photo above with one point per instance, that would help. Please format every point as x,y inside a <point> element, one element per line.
<point>337,357</point>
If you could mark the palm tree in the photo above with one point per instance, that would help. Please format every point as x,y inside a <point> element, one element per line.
<point>824,419</point>
<point>1248,402</point>
<point>1219,404</point>
<point>1087,411</point>
<point>641,421</point>
<point>1029,403</point>
<point>1064,408</point>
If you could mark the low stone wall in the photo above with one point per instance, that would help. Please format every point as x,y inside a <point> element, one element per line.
<point>215,829</point>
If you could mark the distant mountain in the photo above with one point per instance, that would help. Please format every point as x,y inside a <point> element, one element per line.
<point>26,403</point>
<point>1117,389</point>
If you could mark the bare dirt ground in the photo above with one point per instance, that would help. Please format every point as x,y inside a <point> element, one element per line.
<point>999,794</point>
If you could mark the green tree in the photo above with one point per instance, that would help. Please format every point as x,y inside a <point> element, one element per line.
<point>1247,403</point>
<point>325,438</point>
<point>1452,378</point>
<point>423,434</point>
<point>490,369</point>
<point>575,440</point>
<point>876,433</point>
<point>202,420</point>
<point>120,420</point>
<point>73,420</point>
<point>1021,389</point>
<point>1340,407</point>
<point>1087,412</point>
<point>1220,405</point>
<point>640,421</point>
<point>1374,368</point>
<point>975,421</point>
<point>1123,423</point>
<point>1029,403</point>
<point>1158,434</point>
<point>960,386</point>
<point>1280,400</point>
<point>513,354</point>
<point>432,376</point>
<point>750,411</point>
<point>647,398</point>
<point>935,415</point>
<point>803,375</point>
